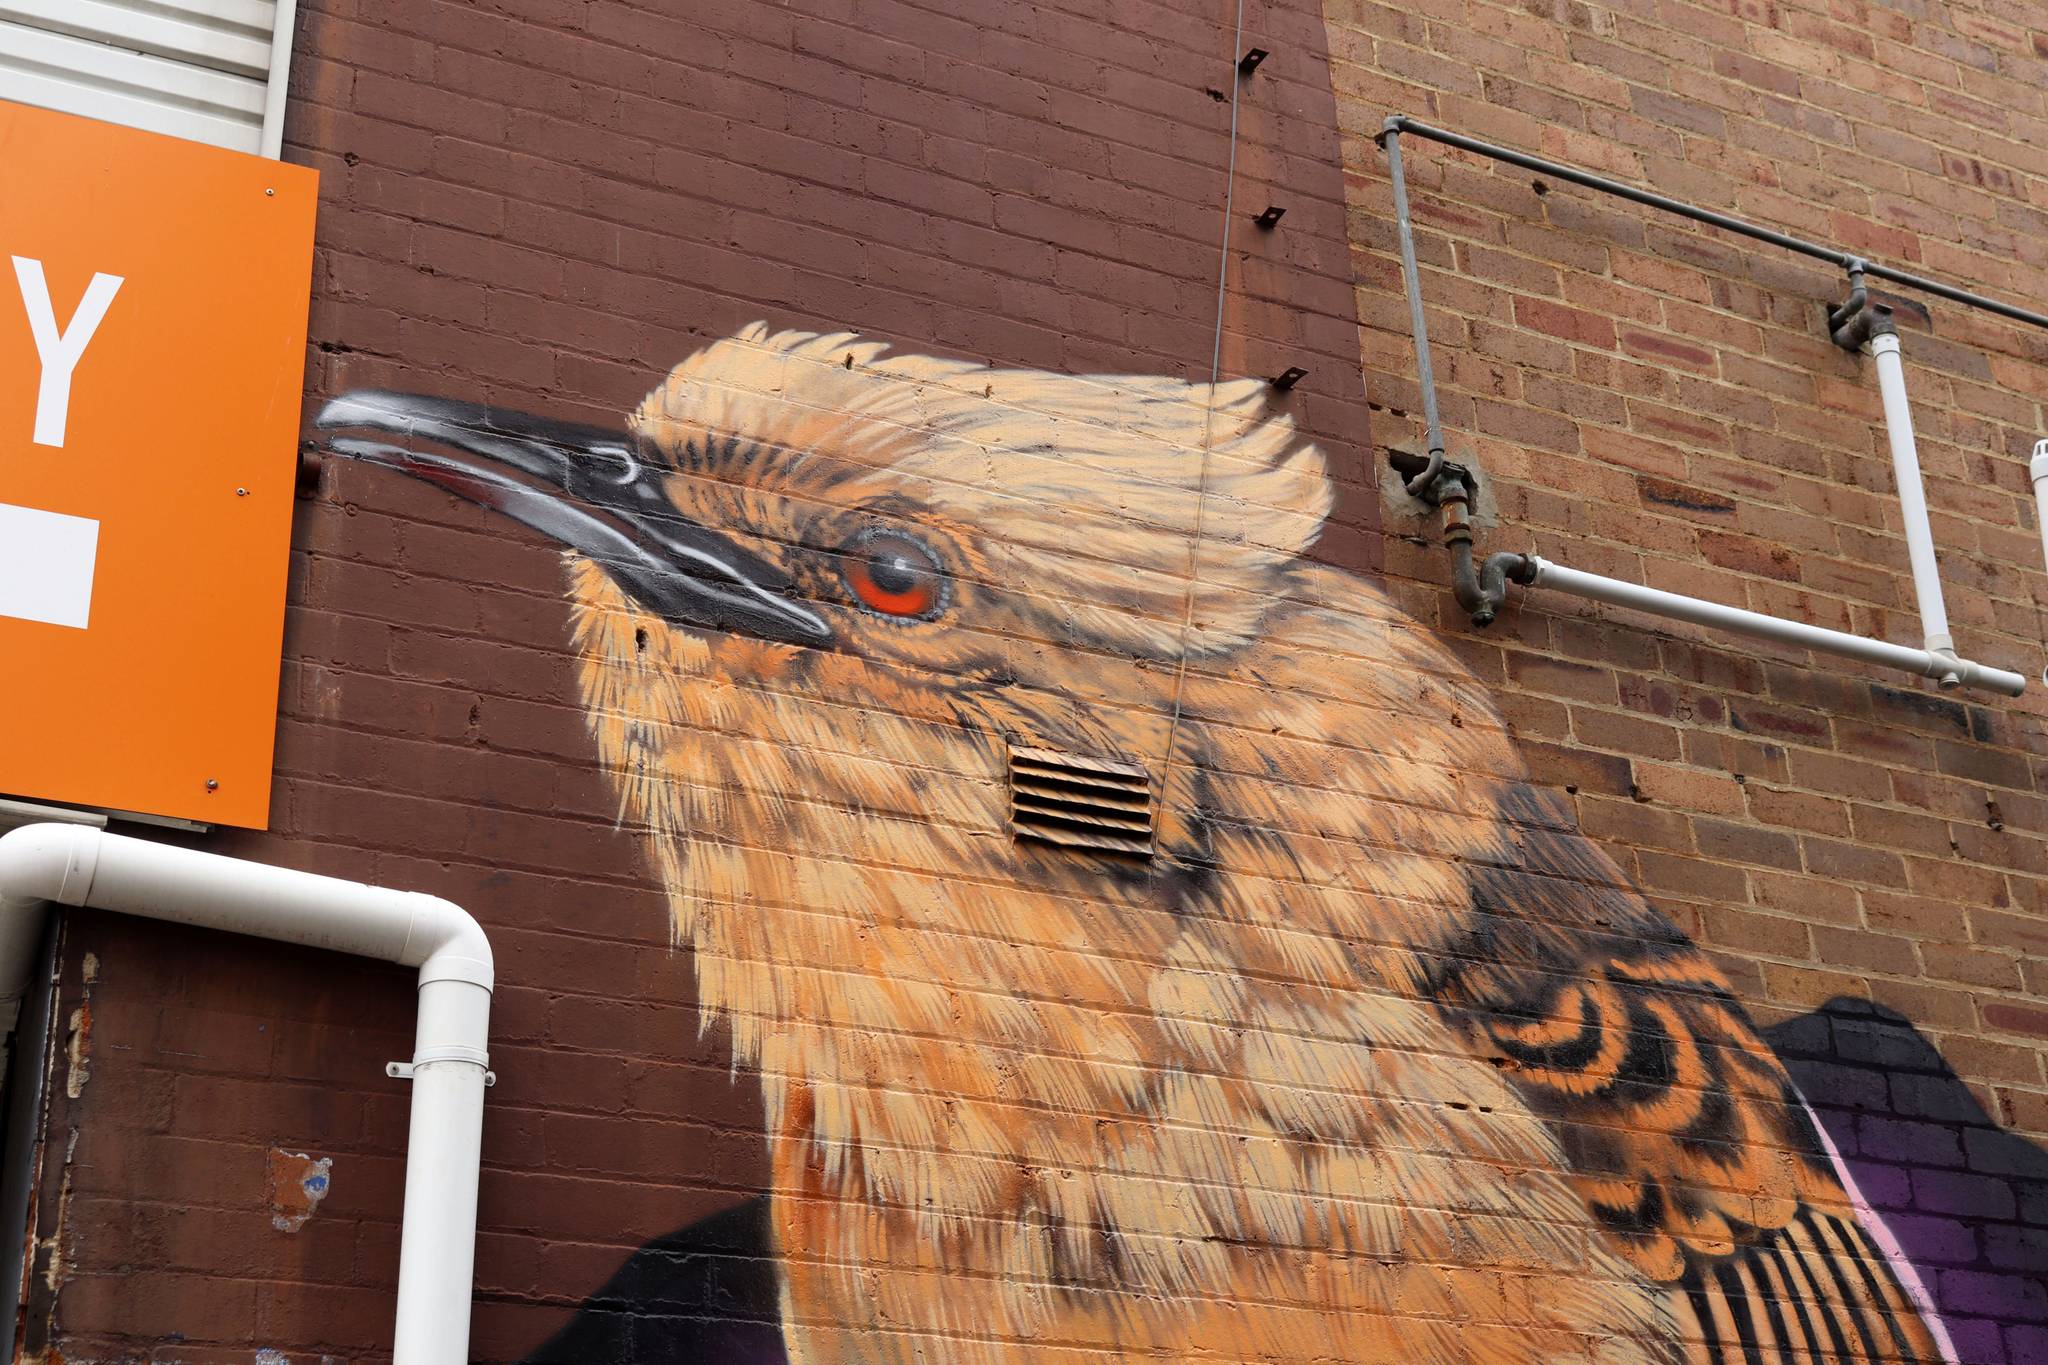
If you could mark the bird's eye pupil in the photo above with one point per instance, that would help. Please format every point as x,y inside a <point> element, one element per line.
<point>894,575</point>
<point>893,572</point>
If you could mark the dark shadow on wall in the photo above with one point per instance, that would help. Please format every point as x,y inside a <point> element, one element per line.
<point>705,1295</point>
<point>1967,1201</point>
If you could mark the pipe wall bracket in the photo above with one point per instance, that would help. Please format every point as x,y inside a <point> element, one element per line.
<point>403,1071</point>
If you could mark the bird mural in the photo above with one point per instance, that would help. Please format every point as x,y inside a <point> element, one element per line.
<point>1361,1053</point>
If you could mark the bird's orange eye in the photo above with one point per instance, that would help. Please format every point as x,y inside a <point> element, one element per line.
<point>895,575</point>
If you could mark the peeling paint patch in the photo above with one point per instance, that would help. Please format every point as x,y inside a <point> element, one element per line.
<point>298,1183</point>
<point>78,1042</point>
<point>266,1356</point>
<point>52,1246</point>
<point>78,1052</point>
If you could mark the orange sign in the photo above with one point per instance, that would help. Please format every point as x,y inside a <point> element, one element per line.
<point>153,299</point>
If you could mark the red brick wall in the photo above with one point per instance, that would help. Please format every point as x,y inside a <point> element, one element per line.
<point>546,204</point>
<point>1659,402</point>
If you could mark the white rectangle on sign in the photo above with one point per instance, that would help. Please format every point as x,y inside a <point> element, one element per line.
<point>46,561</point>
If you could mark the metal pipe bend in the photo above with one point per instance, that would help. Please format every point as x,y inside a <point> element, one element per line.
<point>1481,587</point>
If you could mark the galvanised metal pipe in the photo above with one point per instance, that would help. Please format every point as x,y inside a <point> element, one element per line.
<point>1418,325</point>
<point>1924,663</point>
<point>1898,422</point>
<point>1401,123</point>
<point>73,865</point>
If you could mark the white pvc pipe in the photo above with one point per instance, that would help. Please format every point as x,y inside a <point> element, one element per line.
<point>437,1256</point>
<point>74,865</point>
<point>2038,467</point>
<point>1898,425</point>
<point>1926,663</point>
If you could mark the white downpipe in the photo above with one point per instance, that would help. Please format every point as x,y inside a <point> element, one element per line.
<point>74,865</point>
<point>1898,426</point>
<point>1926,663</point>
<point>2038,467</point>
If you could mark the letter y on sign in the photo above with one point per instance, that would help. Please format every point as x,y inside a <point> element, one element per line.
<point>59,351</point>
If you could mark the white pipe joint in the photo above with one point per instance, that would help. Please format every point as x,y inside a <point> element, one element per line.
<point>1898,422</point>
<point>1657,602</point>
<point>76,865</point>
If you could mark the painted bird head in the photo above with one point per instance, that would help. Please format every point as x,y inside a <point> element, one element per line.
<point>820,587</point>
<point>810,546</point>
<point>818,591</point>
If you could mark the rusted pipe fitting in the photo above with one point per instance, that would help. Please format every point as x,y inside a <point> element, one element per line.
<point>1480,587</point>
<point>1855,320</point>
<point>1419,485</point>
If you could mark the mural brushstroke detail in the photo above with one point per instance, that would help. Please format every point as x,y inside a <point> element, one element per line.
<point>1964,1196</point>
<point>1377,1058</point>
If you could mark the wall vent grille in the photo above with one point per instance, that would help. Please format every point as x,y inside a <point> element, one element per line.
<point>208,70</point>
<point>1079,802</point>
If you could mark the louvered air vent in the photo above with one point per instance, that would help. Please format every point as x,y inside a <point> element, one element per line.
<point>210,70</point>
<point>1080,802</point>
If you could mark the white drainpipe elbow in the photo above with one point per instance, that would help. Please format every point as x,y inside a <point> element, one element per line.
<point>79,866</point>
<point>45,863</point>
<point>446,943</point>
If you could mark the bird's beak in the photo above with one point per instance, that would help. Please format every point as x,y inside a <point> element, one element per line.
<point>586,488</point>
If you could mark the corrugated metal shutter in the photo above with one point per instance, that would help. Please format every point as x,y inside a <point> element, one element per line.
<point>210,70</point>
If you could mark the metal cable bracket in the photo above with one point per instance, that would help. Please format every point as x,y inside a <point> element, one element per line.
<point>1857,324</point>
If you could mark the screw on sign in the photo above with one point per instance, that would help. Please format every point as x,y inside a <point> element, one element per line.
<point>152,341</point>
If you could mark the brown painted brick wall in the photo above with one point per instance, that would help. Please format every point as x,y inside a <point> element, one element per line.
<point>546,203</point>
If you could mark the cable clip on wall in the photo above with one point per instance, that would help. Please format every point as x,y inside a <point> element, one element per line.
<point>1857,324</point>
